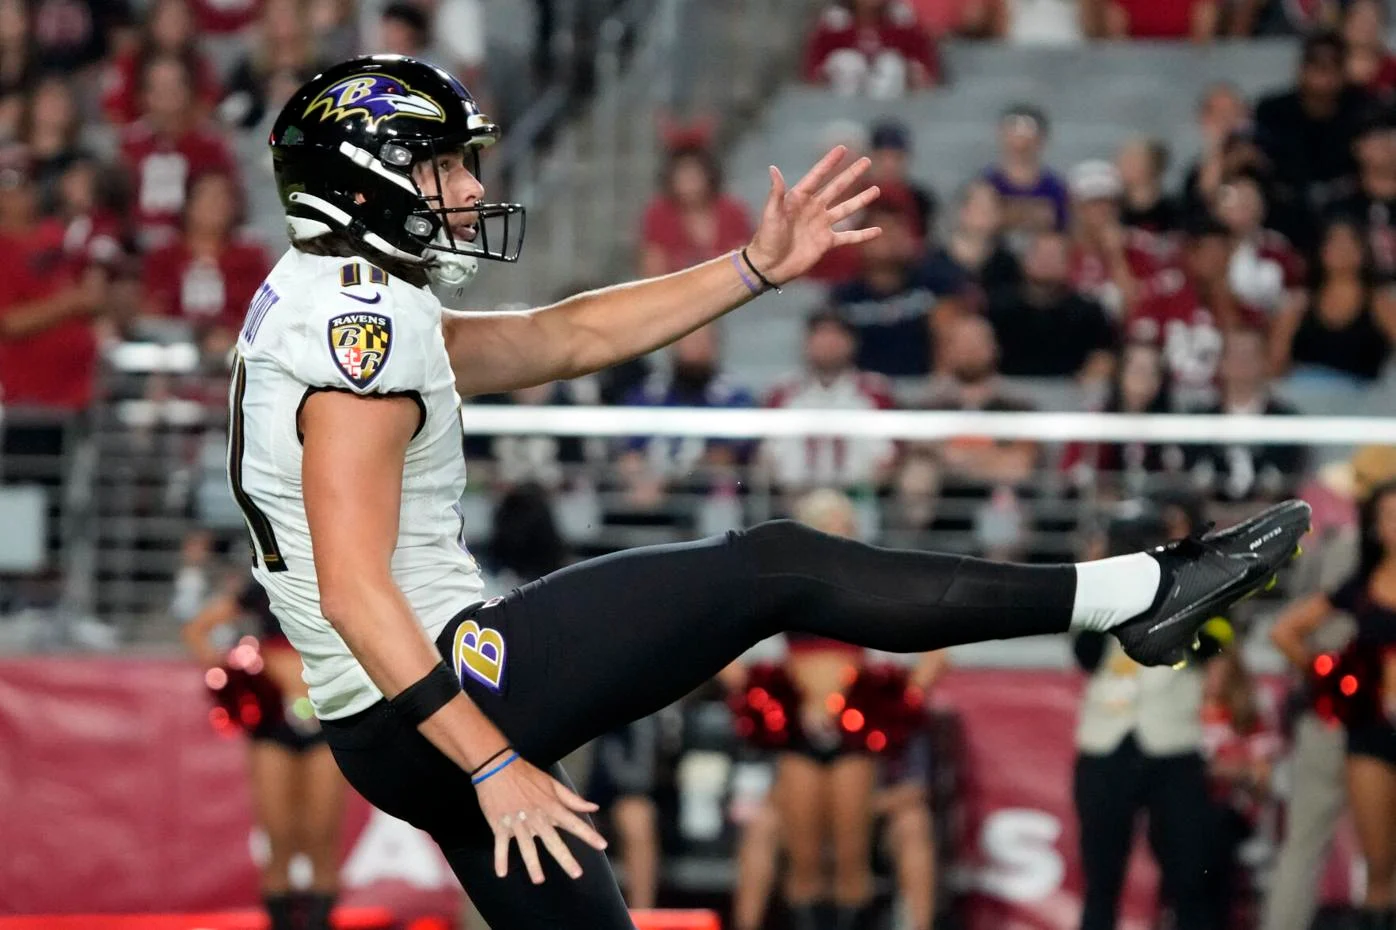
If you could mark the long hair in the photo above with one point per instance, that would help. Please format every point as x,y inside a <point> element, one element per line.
<point>1163,398</point>
<point>700,155</point>
<point>341,244</point>
<point>1368,273</point>
<point>1372,551</point>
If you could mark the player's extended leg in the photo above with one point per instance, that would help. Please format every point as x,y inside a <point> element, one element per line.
<point>399,772</point>
<point>606,641</point>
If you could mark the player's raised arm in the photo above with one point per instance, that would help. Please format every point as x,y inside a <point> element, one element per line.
<point>493,352</point>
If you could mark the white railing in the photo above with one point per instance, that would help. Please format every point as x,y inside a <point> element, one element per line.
<point>928,425</point>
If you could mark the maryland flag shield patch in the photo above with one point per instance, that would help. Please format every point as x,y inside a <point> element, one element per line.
<point>360,343</point>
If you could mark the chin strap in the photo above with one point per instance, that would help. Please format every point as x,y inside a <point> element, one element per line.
<point>450,276</point>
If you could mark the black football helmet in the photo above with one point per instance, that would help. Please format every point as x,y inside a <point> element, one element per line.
<point>345,145</point>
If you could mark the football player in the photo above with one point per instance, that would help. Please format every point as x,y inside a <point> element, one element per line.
<point>345,458</point>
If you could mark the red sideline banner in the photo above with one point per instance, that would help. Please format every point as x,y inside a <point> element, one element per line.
<point>117,796</point>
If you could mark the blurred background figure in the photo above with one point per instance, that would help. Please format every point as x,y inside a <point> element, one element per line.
<point>297,791</point>
<point>890,148</point>
<point>1347,326</point>
<point>873,48</point>
<point>1369,596</point>
<point>691,219</point>
<point>828,797</point>
<point>1139,744</point>
<point>1034,197</point>
<point>1317,795</point>
<point>830,381</point>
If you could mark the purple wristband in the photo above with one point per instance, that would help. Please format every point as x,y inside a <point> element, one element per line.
<point>746,278</point>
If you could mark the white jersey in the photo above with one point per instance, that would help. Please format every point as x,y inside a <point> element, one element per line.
<point>340,324</point>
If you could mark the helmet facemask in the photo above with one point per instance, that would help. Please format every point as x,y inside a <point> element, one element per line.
<point>499,227</point>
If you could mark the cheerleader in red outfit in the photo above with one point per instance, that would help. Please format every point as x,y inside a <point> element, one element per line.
<point>830,790</point>
<point>1368,693</point>
<point>297,791</point>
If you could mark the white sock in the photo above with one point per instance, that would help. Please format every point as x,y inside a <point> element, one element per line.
<point>1111,591</point>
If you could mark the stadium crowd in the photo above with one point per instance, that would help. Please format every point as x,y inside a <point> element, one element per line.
<point>1269,264</point>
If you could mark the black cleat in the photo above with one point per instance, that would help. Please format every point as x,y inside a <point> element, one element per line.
<point>1204,575</point>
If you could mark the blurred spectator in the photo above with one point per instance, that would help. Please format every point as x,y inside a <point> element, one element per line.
<point>1282,17</point>
<point>1370,63</point>
<point>1148,19</point>
<point>1241,749</point>
<point>966,19</point>
<point>900,298</point>
<point>273,68</point>
<point>1142,163</point>
<point>1117,266</point>
<point>1222,113</point>
<point>167,147</point>
<point>208,277</point>
<point>1034,197</point>
<point>1044,327</point>
<point>970,484</point>
<point>1348,326</point>
<point>403,29</point>
<point>50,131</point>
<point>84,220</point>
<point>16,65</point>
<point>69,35</point>
<point>976,245</point>
<point>1247,473</point>
<point>830,382</point>
<point>168,29</point>
<point>874,48</point>
<point>525,543</point>
<point>890,151</point>
<point>1186,322</point>
<point>48,349</point>
<point>334,25</point>
<point>223,17</point>
<point>691,219</point>
<point>649,467</point>
<point>1373,204</point>
<point>1140,386</point>
<point>1139,748</point>
<point>1307,133</point>
<point>1265,274</point>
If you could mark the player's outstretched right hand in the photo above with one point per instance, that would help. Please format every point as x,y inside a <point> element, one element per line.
<point>525,803</point>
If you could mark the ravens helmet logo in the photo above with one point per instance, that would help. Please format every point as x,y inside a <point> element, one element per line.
<point>377,98</point>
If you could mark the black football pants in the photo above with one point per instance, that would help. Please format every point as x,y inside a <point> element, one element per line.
<point>607,641</point>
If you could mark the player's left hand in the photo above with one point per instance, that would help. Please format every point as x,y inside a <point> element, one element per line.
<point>797,225</point>
<point>525,804</point>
